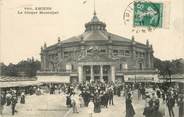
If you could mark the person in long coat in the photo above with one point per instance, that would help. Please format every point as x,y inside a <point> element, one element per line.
<point>3,98</point>
<point>22,98</point>
<point>13,104</point>
<point>68,101</point>
<point>8,98</point>
<point>106,99</point>
<point>170,105</point>
<point>1,109</point>
<point>156,111</point>
<point>119,91</point>
<point>130,112</point>
<point>111,96</point>
<point>181,106</point>
<point>75,103</point>
<point>148,110</point>
<point>97,104</point>
<point>91,108</point>
<point>81,101</point>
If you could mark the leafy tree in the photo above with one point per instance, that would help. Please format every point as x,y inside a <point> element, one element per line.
<point>27,67</point>
<point>12,70</point>
<point>169,67</point>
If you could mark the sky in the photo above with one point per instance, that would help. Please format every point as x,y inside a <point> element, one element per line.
<point>22,35</point>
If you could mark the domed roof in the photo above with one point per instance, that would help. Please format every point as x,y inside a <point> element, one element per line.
<point>94,35</point>
<point>95,24</point>
<point>95,31</point>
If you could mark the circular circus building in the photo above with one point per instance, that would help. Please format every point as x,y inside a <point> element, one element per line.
<point>97,55</point>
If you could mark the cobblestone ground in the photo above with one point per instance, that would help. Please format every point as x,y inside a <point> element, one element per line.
<point>54,106</point>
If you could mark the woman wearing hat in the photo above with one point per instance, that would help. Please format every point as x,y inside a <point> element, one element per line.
<point>148,110</point>
<point>129,108</point>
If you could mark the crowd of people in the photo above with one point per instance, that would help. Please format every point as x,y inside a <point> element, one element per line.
<point>101,95</point>
<point>10,99</point>
<point>94,95</point>
<point>97,95</point>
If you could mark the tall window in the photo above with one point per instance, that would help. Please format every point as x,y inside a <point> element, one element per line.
<point>72,67</point>
<point>143,55</point>
<point>137,54</point>
<point>140,66</point>
<point>120,66</point>
<point>121,52</point>
<point>115,52</point>
<point>127,53</point>
<point>66,54</point>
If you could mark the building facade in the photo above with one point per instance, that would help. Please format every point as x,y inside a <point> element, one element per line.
<point>97,54</point>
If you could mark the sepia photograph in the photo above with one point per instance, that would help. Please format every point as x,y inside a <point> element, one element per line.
<point>91,58</point>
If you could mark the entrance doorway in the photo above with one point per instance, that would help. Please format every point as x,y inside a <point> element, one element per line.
<point>140,66</point>
<point>88,78</point>
<point>105,78</point>
<point>96,78</point>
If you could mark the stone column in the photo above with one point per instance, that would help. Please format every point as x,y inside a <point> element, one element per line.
<point>42,63</point>
<point>148,58</point>
<point>151,57</point>
<point>80,71</point>
<point>45,62</point>
<point>92,74</point>
<point>112,73</point>
<point>101,73</point>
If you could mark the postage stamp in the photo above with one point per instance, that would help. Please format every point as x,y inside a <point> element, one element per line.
<point>142,16</point>
<point>148,14</point>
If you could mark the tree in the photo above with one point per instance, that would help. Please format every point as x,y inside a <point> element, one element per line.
<point>11,70</point>
<point>28,67</point>
<point>169,67</point>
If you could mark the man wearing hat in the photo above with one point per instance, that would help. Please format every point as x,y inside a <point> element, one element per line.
<point>170,104</point>
<point>181,105</point>
<point>13,103</point>
<point>148,110</point>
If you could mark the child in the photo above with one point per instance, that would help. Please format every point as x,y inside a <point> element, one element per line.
<point>91,108</point>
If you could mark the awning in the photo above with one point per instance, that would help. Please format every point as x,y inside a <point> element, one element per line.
<point>141,78</point>
<point>19,84</point>
<point>54,79</point>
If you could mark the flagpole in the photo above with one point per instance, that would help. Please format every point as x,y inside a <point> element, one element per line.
<point>94,7</point>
